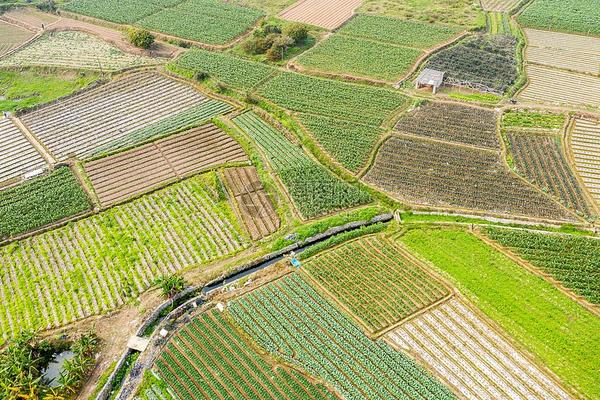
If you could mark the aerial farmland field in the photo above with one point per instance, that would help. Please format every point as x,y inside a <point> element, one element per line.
<point>299,199</point>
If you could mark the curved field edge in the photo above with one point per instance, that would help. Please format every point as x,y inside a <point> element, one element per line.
<point>563,335</point>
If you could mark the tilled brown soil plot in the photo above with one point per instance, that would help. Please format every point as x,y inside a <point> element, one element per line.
<point>256,208</point>
<point>328,14</point>
<point>134,172</point>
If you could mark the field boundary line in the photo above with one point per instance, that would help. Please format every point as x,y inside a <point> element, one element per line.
<point>503,157</point>
<point>570,154</point>
<point>536,271</point>
<point>50,159</point>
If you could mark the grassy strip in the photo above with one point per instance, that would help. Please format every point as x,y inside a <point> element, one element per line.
<point>25,88</point>
<point>40,202</point>
<point>341,238</point>
<point>532,119</point>
<point>561,333</point>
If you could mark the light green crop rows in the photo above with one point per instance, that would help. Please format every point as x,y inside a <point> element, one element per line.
<point>96,264</point>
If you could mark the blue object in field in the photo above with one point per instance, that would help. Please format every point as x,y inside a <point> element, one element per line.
<point>295,263</point>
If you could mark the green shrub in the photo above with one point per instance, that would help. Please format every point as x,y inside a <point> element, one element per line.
<point>297,32</point>
<point>140,38</point>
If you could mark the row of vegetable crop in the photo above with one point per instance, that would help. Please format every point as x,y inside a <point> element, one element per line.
<point>314,190</point>
<point>291,320</point>
<point>96,264</point>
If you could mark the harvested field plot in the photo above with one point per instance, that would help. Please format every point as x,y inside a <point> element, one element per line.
<point>314,190</point>
<point>447,175</point>
<point>562,334</point>
<point>574,261</point>
<point>41,201</point>
<point>348,142</point>
<point>561,87</point>
<point>80,124</point>
<point>119,11</point>
<point>580,16</point>
<point>328,14</point>
<point>374,47</point>
<point>453,123</point>
<point>372,279</point>
<point>292,321</point>
<point>485,62</point>
<point>254,203</point>
<point>119,177</point>
<point>12,36</point>
<point>226,68</point>
<point>17,154</point>
<point>210,359</point>
<point>474,360</point>
<point>74,50</point>
<point>362,104</point>
<point>30,18</point>
<point>585,146</point>
<point>560,50</point>
<point>96,264</point>
<point>207,21</point>
<point>499,5</point>
<point>539,157</point>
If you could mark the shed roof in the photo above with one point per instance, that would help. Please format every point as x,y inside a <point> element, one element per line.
<point>431,77</point>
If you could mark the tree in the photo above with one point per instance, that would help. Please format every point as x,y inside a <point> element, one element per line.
<point>297,32</point>
<point>171,285</point>
<point>140,38</point>
<point>280,46</point>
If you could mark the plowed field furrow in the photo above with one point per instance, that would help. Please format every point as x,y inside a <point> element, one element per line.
<point>121,176</point>
<point>461,348</point>
<point>328,14</point>
<point>443,175</point>
<point>561,50</point>
<point>12,36</point>
<point>83,122</point>
<point>553,86</point>
<point>258,212</point>
<point>586,151</point>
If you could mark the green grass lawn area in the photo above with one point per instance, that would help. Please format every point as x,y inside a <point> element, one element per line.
<point>24,89</point>
<point>560,332</point>
<point>465,13</point>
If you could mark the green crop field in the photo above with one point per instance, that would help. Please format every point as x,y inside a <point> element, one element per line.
<point>578,16</point>
<point>226,68</point>
<point>206,21</point>
<point>314,190</point>
<point>292,321</point>
<point>531,119</point>
<point>374,47</point>
<point>119,11</point>
<point>41,201</point>
<point>358,103</point>
<point>374,281</point>
<point>348,142</point>
<point>26,88</point>
<point>572,260</point>
<point>96,264</point>
<point>558,331</point>
<point>209,358</point>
